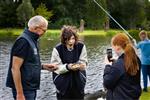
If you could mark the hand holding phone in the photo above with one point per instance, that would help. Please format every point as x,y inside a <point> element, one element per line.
<point>109,54</point>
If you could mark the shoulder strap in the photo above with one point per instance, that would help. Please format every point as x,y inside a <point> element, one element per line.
<point>30,41</point>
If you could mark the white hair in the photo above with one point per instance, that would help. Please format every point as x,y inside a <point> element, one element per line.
<point>37,21</point>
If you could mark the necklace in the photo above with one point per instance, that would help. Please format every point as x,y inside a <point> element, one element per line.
<point>70,49</point>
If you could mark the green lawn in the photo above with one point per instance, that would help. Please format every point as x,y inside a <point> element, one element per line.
<point>86,32</point>
<point>12,31</point>
<point>145,95</point>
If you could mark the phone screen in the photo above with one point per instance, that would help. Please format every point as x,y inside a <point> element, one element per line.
<point>109,54</point>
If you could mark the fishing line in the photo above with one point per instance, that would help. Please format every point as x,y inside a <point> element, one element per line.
<point>113,19</point>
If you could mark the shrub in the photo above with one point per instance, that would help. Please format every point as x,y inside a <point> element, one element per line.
<point>43,11</point>
<point>110,33</point>
<point>134,34</point>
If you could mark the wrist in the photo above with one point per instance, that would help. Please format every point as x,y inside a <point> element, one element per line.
<point>67,67</point>
<point>42,66</point>
<point>20,92</point>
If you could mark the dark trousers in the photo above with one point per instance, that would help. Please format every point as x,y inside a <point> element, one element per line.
<point>29,95</point>
<point>71,95</point>
<point>146,74</point>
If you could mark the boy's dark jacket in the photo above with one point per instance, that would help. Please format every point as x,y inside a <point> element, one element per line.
<point>71,79</point>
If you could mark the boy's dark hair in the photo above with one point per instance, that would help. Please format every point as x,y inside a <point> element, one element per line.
<point>67,32</point>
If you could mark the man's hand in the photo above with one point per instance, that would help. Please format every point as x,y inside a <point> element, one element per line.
<point>50,67</point>
<point>20,96</point>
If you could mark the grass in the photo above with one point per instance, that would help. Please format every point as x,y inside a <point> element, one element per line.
<point>145,95</point>
<point>14,32</point>
<point>10,31</point>
<point>93,32</point>
<point>98,32</point>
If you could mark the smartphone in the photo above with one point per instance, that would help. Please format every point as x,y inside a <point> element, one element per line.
<point>109,54</point>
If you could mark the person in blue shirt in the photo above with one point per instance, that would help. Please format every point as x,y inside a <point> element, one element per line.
<point>144,46</point>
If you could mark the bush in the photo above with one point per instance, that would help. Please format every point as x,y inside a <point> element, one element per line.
<point>110,33</point>
<point>43,11</point>
<point>65,21</point>
<point>148,32</point>
<point>6,32</point>
<point>134,34</point>
<point>54,26</point>
<point>24,12</point>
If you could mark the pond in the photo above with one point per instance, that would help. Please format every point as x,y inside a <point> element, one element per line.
<point>96,50</point>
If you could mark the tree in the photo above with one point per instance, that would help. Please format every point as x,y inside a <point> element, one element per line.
<point>64,11</point>
<point>78,9</point>
<point>147,11</point>
<point>129,13</point>
<point>8,13</point>
<point>114,8</point>
<point>62,15</point>
<point>133,13</point>
<point>42,10</point>
<point>24,12</point>
<point>95,17</point>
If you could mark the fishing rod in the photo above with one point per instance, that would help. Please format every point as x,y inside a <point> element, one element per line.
<point>113,19</point>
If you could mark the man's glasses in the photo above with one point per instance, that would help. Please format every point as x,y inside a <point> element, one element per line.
<point>44,30</point>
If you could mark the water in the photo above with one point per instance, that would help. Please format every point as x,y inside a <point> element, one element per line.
<point>96,48</point>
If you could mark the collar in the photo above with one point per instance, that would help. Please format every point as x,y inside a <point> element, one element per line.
<point>121,53</point>
<point>121,56</point>
<point>146,39</point>
<point>33,35</point>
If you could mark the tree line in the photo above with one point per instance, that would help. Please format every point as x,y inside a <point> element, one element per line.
<point>131,14</point>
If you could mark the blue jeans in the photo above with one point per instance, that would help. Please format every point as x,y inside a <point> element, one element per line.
<point>29,95</point>
<point>146,74</point>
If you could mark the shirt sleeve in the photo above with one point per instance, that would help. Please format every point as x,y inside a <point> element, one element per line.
<point>138,45</point>
<point>112,75</point>
<point>20,48</point>
<point>83,56</point>
<point>55,59</point>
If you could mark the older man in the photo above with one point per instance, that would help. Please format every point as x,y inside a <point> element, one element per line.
<point>25,66</point>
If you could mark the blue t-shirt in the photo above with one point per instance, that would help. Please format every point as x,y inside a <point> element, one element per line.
<point>144,47</point>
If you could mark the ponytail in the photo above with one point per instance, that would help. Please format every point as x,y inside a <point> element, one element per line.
<point>130,57</point>
<point>131,61</point>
